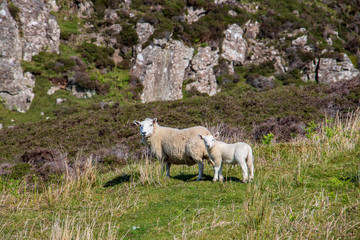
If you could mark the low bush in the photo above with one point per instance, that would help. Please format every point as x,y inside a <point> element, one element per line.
<point>128,36</point>
<point>100,56</point>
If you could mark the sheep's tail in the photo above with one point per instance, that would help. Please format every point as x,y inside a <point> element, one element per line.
<point>250,164</point>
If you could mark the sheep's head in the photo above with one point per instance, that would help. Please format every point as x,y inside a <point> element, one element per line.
<point>146,127</point>
<point>209,140</point>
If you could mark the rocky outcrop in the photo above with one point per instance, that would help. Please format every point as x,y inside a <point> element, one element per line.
<point>160,67</point>
<point>34,30</point>
<point>261,51</point>
<point>15,86</point>
<point>84,8</point>
<point>51,4</point>
<point>251,30</point>
<point>234,45</point>
<point>40,30</point>
<point>332,70</point>
<point>193,14</point>
<point>332,67</point>
<point>242,48</point>
<point>260,82</point>
<point>224,1</point>
<point>300,41</point>
<point>144,31</point>
<point>201,73</point>
<point>310,71</point>
<point>111,16</point>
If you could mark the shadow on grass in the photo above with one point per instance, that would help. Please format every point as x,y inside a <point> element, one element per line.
<point>118,180</point>
<point>191,177</point>
<point>351,177</point>
<point>184,177</point>
<point>232,179</point>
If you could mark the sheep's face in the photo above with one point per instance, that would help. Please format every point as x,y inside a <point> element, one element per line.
<point>146,127</point>
<point>209,141</point>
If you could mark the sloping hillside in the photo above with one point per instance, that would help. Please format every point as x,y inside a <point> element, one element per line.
<point>128,51</point>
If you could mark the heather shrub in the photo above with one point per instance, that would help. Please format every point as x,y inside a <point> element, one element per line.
<point>100,56</point>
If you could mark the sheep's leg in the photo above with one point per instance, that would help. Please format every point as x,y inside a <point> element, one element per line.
<point>201,169</point>
<point>167,167</point>
<point>244,169</point>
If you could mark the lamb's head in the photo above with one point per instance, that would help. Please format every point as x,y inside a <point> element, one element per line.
<point>146,127</point>
<point>209,140</point>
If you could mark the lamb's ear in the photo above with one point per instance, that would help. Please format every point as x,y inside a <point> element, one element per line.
<point>216,135</point>
<point>154,120</point>
<point>201,137</point>
<point>137,123</point>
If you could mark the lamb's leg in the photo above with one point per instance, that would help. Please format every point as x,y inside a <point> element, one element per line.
<point>201,169</point>
<point>244,169</point>
<point>216,172</point>
<point>251,177</point>
<point>221,177</point>
<point>250,164</point>
<point>167,166</point>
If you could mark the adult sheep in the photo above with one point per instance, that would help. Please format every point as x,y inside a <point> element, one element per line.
<point>220,153</point>
<point>174,146</point>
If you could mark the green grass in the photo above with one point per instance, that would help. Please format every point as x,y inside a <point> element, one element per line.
<point>69,24</point>
<point>305,188</point>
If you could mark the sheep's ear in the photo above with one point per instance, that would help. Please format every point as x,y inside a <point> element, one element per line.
<point>216,135</point>
<point>137,123</point>
<point>154,120</point>
<point>201,137</point>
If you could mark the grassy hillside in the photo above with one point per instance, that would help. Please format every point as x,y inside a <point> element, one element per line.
<point>306,188</point>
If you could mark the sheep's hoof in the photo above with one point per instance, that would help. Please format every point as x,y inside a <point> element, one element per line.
<point>199,179</point>
<point>245,180</point>
<point>221,180</point>
<point>214,180</point>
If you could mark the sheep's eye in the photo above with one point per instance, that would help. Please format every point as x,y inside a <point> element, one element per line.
<point>151,125</point>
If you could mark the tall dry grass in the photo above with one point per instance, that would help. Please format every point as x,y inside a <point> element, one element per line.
<point>72,191</point>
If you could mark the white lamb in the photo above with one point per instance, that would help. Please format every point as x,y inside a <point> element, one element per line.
<point>174,146</point>
<point>220,153</point>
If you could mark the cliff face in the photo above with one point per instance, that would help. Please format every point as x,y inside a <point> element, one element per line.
<point>180,46</point>
<point>161,69</point>
<point>25,31</point>
<point>15,86</point>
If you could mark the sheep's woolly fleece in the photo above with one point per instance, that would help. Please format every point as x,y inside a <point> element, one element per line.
<point>174,146</point>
